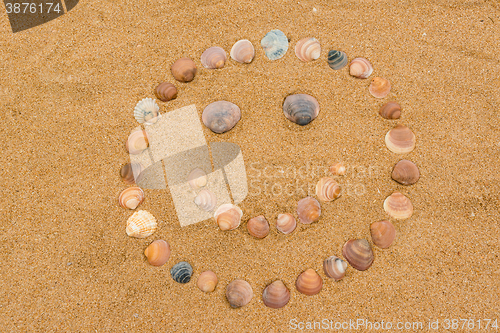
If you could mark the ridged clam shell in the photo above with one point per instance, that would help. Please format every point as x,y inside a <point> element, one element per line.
<point>301,108</point>
<point>327,189</point>
<point>380,87</point>
<point>405,172</point>
<point>258,226</point>
<point>400,139</point>
<point>131,197</point>
<point>308,49</point>
<point>228,216</point>
<point>183,70</point>
<point>309,282</point>
<point>309,210</point>
<point>221,116</point>
<point>157,252</point>
<point>181,272</point>
<point>243,51</point>
<point>206,200</point>
<point>337,59</point>
<point>383,233</point>
<point>165,91</point>
<point>390,110</point>
<point>128,170</point>
<point>276,295</point>
<point>398,206</point>
<point>286,223</point>
<point>275,44</point>
<point>360,68</point>
<point>334,267</point>
<point>239,293</point>
<point>147,112</point>
<point>338,169</point>
<point>137,142</point>
<point>358,253</point>
<point>213,58</point>
<point>207,281</point>
<point>197,178</point>
<point>141,224</point>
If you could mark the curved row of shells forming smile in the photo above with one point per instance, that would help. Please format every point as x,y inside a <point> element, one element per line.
<point>222,116</point>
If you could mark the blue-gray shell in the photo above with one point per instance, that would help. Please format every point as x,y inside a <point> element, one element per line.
<point>337,59</point>
<point>275,44</point>
<point>181,272</point>
<point>301,108</point>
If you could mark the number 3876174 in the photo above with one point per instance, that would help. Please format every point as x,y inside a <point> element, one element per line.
<point>32,8</point>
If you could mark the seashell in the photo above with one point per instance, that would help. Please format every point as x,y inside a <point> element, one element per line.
<point>400,139</point>
<point>243,51</point>
<point>258,226</point>
<point>360,68</point>
<point>275,44</point>
<point>327,189</point>
<point>358,253</point>
<point>129,171</point>
<point>228,216</point>
<point>286,223</point>
<point>157,252</point>
<point>147,112</point>
<point>137,142</point>
<point>221,116</point>
<point>338,169</point>
<point>301,108</point>
<point>309,282</point>
<point>405,172</point>
<point>337,59</point>
<point>181,272</point>
<point>390,110</point>
<point>141,224</point>
<point>239,293</point>
<point>308,210</point>
<point>383,233</point>
<point>207,281</point>
<point>183,70</point>
<point>131,197</point>
<point>213,58</point>
<point>206,200</point>
<point>379,87</point>
<point>197,178</point>
<point>166,91</point>
<point>308,49</point>
<point>276,295</point>
<point>334,267</point>
<point>398,206</point>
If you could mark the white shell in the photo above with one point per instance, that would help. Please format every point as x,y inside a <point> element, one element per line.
<point>243,51</point>
<point>197,178</point>
<point>206,200</point>
<point>147,111</point>
<point>141,224</point>
<point>137,142</point>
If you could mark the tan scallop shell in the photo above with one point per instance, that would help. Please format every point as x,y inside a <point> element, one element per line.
<point>334,267</point>
<point>276,295</point>
<point>165,91</point>
<point>213,58</point>
<point>228,216</point>
<point>358,253</point>
<point>405,172</point>
<point>258,226</point>
<point>380,87</point>
<point>206,200</point>
<point>183,70</point>
<point>309,282</point>
<point>360,68</point>
<point>338,169</point>
<point>141,224</point>
<point>239,293</point>
<point>398,206</point>
<point>383,233</point>
<point>243,51</point>
<point>309,210</point>
<point>207,281</point>
<point>308,49</point>
<point>327,189</point>
<point>400,139</point>
<point>157,252</point>
<point>137,142</point>
<point>390,110</point>
<point>131,197</point>
<point>286,223</point>
<point>197,178</point>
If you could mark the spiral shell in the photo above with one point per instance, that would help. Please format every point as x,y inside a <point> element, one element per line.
<point>243,51</point>
<point>157,252</point>
<point>309,210</point>
<point>398,206</point>
<point>228,216</point>
<point>360,68</point>
<point>337,59</point>
<point>258,226</point>
<point>197,178</point>
<point>221,116</point>
<point>301,108</point>
<point>286,223</point>
<point>276,295</point>
<point>390,110</point>
<point>213,58</point>
<point>334,267</point>
<point>137,142</point>
<point>275,44</point>
<point>405,172</point>
<point>400,139</point>
<point>383,233</point>
<point>207,281</point>
<point>308,49</point>
<point>327,189</point>
<point>380,87</point>
<point>206,200</point>
<point>141,224</point>
<point>239,293</point>
<point>182,272</point>
<point>309,282</point>
<point>147,112</point>
<point>183,70</point>
<point>358,253</point>
<point>338,169</point>
<point>131,197</point>
<point>165,91</point>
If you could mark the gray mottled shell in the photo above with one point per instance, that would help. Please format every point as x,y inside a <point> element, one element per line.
<point>147,111</point>
<point>337,59</point>
<point>275,44</point>
<point>221,116</point>
<point>301,108</point>
<point>181,272</point>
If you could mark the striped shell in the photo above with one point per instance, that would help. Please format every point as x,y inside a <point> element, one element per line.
<point>383,233</point>
<point>338,169</point>
<point>243,51</point>
<point>206,200</point>
<point>131,197</point>
<point>380,87</point>
<point>181,272</point>
<point>334,267</point>
<point>207,281</point>
<point>221,116</point>
<point>327,189</point>
<point>147,112</point>
<point>197,178</point>
<point>390,110</point>
<point>286,223</point>
<point>183,70</point>
<point>308,49</point>
<point>276,295</point>
<point>405,172</point>
<point>360,68</point>
<point>309,282</point>
<point>337,59</point>
<point>165,91</point>
<point>400,139</point>
<point>213,58</point>
<point>301,108</point>
<point>130,171</point>
<point>141,224</point>
<point>309,210</point>
<point>275,44</point>
<point>137,142</point>
<point>158,252</point>
<point>228,216</point>
<point>239,293</point>
<point>358,253</point>
<point>398,206</point>
<point>258,227</point>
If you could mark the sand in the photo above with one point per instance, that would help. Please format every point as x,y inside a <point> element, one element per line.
<point>67,92</point>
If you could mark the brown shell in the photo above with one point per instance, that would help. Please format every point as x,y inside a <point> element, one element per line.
<point>309,282</point>
<point>338,169</point>
<point>405,172</point>
<point>360,68</point>
<point>390,110</point>
<point>128,170</point>
<point>228,216</point>
<point>276,295</point>
<point>239,293</point>
<point>380,87</point>
<point>258,226</point>
<point>383,233</point>
<point>131,197</point>
<point>157,252</point>
<point>207,281</point>
<point>400,139</point>
<point>286,223</point>
<point>183,70</point>
<point>398,206</point>
<point>166,91</point>
<point>327,189</point>
<point>358,253</point>
<point>221,116</point>
<point>334,267</point>
<point>213,58</point>
<point>309,210</point>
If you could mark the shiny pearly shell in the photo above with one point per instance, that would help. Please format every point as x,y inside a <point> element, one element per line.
<point>207,281</point>
<point>405,172</point>
<point>390,110</point>
<point>398,206</point>
<point>182,272</point>
<point>358,253</point>
<point>213,58</point>
<point>137,142</point>
<point>228,216</point>
<point>141,224</point>
<point>165,91</point>
<point>338,169</point>
<point>334,267</point>
<point>383,233</point>
<point>147,112</point>
<point>309,282</point>
<point>183,70</point>
<point>360,68</point>
<point>243,51</point>
<point>309,210</point>
<point>275,44</point>
<point>206,200</point>
<point>221,116</point>
<point>157,252</point>
<point>258,226</point>
<point>286,223</point>
<point>337,59</point>
<point>276,295</point>
<point>400,139</point>
<point>301,108</point>
<point>327,189</point>
<point>239,293</point>
<point>380,87</point>
<point>197,178</point>
<point>131,197</point>
<point>308,49</point>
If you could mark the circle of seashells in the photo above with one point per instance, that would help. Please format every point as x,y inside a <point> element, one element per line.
<point>222,116</point>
